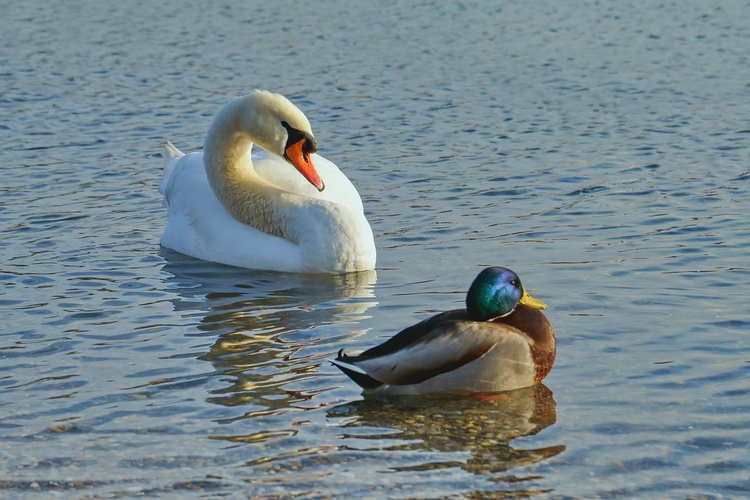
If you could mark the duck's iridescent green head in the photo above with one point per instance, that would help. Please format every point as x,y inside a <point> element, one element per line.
<point>496,292</point>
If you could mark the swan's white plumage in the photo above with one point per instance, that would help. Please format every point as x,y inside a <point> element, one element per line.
<point>326,231</point>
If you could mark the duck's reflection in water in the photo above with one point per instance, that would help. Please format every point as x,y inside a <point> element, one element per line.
<point>267,332</point>
<point>470,432</point>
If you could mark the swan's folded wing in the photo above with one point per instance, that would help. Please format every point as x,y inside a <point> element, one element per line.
<point>339,189</point>
<point>443,349</point>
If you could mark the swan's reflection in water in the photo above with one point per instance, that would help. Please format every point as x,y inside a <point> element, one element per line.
<point>472,433</point>
<point>267,332</point>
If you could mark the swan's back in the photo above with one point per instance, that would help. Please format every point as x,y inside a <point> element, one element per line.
<point>337,235</point>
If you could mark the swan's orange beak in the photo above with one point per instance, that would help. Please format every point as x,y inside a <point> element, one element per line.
<point>296,155</point>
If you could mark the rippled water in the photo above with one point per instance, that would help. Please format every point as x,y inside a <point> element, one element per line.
<point>599,149</point>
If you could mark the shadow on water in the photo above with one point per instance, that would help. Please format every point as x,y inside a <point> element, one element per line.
<point>471,433</point>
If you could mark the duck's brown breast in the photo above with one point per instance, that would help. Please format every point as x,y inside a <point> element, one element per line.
<point>535,324</point>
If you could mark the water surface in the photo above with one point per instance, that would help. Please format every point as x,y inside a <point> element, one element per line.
<point>600,150</point>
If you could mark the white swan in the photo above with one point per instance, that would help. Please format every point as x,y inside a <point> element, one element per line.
<point>254,210</point>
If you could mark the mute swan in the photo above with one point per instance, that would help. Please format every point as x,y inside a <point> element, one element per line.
<point>254,210</point>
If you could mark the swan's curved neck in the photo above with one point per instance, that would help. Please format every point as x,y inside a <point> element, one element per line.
<point>230,171</point>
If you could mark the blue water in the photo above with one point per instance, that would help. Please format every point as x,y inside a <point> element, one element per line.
<point>599,149</point>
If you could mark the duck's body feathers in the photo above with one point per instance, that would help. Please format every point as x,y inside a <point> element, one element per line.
<point>450,353</point>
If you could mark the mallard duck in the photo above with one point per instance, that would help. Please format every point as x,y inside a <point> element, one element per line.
<point>283,208</point>
<point>500,342</point>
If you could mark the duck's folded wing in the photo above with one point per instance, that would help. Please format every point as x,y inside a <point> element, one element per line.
<point>440,350</point>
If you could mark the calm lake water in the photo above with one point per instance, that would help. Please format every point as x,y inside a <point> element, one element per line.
<point>599,149</point>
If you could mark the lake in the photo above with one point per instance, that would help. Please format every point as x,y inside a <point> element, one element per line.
<point>599,149</point>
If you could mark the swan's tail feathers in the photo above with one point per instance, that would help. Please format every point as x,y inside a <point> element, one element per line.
<point>354,372</point>
<point>171,154</point>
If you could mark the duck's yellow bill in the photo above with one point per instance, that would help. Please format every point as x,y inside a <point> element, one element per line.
<point>530,301</point>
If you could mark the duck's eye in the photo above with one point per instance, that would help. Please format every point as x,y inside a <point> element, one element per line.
<point>515,283</point>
